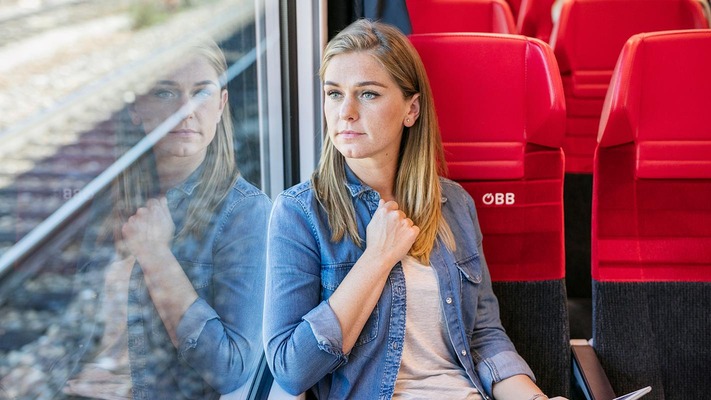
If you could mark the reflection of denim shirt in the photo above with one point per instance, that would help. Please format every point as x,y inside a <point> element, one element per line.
<point>302,335</point>
<point>219,335</point>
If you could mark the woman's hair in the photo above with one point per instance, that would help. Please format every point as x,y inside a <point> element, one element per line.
<point>420,161</point>
<point>219,171</point>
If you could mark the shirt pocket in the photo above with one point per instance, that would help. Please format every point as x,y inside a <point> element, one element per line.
<point>331,277</point>
<point>200,276</point>
<point>470,276</point>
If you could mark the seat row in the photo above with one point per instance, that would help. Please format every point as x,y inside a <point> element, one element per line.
<point>502,112</point>
<point>586,39</point>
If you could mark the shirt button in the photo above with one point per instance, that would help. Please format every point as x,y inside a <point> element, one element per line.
<point>395,345</point>
<point>448,300</point>
<point>464,352</point>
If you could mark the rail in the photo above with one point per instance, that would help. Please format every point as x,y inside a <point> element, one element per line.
<point>225,22</point>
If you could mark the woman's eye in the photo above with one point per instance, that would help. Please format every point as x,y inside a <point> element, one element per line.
<point>203,93</point>
<point>333,94</point>
<point>164,94</point>
<point>369,95</point>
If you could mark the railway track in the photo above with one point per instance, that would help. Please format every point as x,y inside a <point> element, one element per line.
<point>19,23</point>
<point>36,297</point>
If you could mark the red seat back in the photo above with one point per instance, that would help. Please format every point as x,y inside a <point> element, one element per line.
<point>652,179</point>
<point>651,217</point>
<point>501,112</point>
<point>515,6</point>
<point>432,16</point>
<point>534,19</point>
<point>587,40</point>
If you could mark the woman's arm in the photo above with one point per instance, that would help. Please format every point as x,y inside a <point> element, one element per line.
<point>310,338</point>
<point>220,339</point>
<point>389,237</point>
<point>519,387</point>
<point>148,235</point>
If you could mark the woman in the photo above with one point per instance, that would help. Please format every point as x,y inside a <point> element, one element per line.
<point>376,282</point>
<point>185,238</point>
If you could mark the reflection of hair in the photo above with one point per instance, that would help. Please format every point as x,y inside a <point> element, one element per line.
<point>417,188</point>
<point>219,169</point>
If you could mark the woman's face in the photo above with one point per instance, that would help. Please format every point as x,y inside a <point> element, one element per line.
<point>365,109</point>
<point>197,82</point>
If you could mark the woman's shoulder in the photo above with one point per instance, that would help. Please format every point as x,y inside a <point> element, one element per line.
<point>300,190</point>
<point>455,195</point>
<point>448,182</point>
<point>245,188</point>
<point>451,188</point>
<point>298,199</point>
<point>244,192</point>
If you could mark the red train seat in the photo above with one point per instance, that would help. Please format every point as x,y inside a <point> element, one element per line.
<point>515,6</point>
<point>432,16</point>
<point>651,217</point>
<point>534,19</point>
<point>501,111</point>
<point>587,40</point>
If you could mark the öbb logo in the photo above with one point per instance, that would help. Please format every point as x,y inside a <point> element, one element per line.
<point>498,199</point>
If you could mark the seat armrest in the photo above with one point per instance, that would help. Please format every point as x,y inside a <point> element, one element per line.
<point>588,373</point>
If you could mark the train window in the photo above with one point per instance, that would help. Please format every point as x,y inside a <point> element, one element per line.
<point>142,141</point>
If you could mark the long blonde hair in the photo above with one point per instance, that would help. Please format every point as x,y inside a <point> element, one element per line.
<point>134,186</point>
<point>421,160</point>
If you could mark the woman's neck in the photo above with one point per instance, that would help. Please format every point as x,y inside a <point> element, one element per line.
<point>174,170</point>
<point>379,176</point>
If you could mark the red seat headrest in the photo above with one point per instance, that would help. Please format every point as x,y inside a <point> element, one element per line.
<point>660,99</point>
<point>494,94</point>
<point>534,19</point>
<point>577,37</point>
<point>432,16</point>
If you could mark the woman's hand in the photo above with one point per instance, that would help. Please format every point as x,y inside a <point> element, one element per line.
<point>519,387</point>
<point>150,229</point>
<point>148,235</point>
<point>390,234</point>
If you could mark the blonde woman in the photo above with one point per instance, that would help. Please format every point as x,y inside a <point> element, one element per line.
<point>377,286</point>
<point>184,244</point>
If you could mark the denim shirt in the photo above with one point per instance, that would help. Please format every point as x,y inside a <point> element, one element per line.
<point>302,335</point>
<point>219,335</point>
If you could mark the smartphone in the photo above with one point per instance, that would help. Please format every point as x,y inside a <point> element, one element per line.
<point>635,395</point>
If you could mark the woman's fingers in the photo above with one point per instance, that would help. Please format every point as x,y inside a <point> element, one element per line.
<point>150,226</point>
<point>391,232</point>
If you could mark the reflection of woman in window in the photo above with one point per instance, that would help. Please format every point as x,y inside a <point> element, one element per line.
<point>185,276</point>
<point>378,258</point>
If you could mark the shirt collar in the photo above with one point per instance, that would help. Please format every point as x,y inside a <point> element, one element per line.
<point>354,185</point>
<point>187,187</point>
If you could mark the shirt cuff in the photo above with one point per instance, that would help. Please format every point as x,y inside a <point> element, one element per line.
<point>191,325</point>
<point>501,366</point>
<point>327,329</point>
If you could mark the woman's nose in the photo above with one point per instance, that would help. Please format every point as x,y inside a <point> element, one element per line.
<point>348,109</point>
<point>188,105</point>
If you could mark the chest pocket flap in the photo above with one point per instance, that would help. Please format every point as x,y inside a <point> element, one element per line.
<point>470,268</point>
<point>332,276</point>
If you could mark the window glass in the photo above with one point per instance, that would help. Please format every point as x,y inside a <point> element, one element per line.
<point>132,211</point>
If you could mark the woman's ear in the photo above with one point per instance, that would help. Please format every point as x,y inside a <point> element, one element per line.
<point>413,111</point>
<point>223,101</point>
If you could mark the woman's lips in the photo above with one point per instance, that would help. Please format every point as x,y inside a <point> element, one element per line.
<point>350,134</point>
<point>183,132</point>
